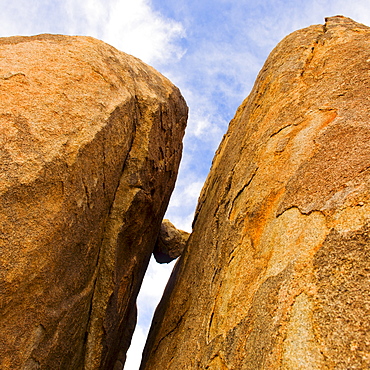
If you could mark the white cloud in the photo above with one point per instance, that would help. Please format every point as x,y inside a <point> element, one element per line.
<point>205,126</point>
<point>131,26</point>
<point>183,201</point>
<point>144,27</point>
<point>193,190</point>
<point>156,275</point>
<point>186,192</point>
<point>183,220</point>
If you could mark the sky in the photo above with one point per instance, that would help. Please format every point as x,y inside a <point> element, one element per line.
<point>211,49</point>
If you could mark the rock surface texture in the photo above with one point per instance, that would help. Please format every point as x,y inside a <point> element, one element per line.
<point>90,143</point>
<point>276,272</point>
<point>170,243</point>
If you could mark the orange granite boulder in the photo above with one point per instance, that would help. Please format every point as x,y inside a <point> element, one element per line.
<point>276,272</point>
<point>91,140</point>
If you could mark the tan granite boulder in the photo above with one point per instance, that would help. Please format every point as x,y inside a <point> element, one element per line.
<point>90,143</point>
<point>170,243</point>
<point>276,272</point>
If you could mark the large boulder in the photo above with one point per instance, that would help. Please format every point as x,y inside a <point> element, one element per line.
<point>276,272</point>
<point>90,143</point>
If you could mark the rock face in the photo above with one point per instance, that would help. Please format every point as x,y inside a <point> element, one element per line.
<point>276,272</point>
<point>170,243</point>
<point>90,144</point>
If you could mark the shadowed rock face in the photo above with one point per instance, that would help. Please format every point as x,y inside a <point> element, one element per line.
<point>90,143</point>
<point>276,272</point>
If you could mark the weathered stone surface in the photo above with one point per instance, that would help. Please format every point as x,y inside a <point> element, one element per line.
<point>170,243</point>
<point>276,272</point>
<point>90,144</point>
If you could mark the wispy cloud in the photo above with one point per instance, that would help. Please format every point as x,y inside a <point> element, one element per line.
<point>131,26</point>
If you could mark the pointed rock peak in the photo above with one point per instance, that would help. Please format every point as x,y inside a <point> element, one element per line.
<point>340,20</point>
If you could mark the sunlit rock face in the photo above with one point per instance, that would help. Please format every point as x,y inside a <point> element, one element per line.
<point>90,143</point>
<point>276,272</point>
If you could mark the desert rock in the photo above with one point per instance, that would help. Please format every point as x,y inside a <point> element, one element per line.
<point>170,243</point>
<point>91,140</point>
<point>276,272</point>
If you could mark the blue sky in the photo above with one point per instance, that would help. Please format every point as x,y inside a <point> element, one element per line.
<point>211,49</point>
